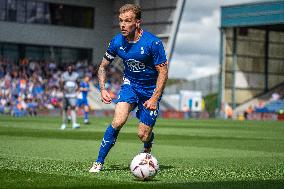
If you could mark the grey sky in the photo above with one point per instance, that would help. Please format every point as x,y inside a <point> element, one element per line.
<point>197,47</point>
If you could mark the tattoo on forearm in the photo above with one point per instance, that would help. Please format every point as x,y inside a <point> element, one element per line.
<point>102,76</point>
<point>161,83</point>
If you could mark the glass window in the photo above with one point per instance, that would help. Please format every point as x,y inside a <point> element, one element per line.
<point>57,54</point>
<point>40,13</point>
<point>3,4</point>
<point>88,18</point>
<point>34,52</point>
<point>11,10</point>
<point>85,54</point>
<point>28,11</point>
<point>61,55</point>
<point>11,52</point>
<point>47,53</point>
<point>21,11</point>
<point>71,15</point>
<point>31,11</point>
<point>69,55</point>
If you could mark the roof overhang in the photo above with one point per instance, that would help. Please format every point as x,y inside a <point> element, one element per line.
<point>253,15</point>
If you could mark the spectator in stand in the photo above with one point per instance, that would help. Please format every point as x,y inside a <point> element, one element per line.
<point>3,103</point>
<point>38,79</point>
<point>19,107</point>
<point>229,111</point>
<point>31,106</point>
<point>2,72</point>
<point>275,96</point>
<point>248,111</point>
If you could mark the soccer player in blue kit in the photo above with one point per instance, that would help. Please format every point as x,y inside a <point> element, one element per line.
<point>145,76</point>
<point>82,99</point>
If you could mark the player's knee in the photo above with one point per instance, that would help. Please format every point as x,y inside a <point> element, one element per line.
<point>86,108</point>
<point>118,124</point>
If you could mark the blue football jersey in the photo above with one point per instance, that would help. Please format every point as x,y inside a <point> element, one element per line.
<point>84,85</point>
<point>139,58</point>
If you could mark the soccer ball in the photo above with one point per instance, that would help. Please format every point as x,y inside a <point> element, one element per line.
<point>144,166</point>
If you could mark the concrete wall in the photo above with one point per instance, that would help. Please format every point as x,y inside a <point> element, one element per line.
<point>38,34</point>
<point>250,68</point>
<point>157,18</point>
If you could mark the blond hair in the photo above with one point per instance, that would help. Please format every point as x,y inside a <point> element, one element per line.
<point>131,7</point>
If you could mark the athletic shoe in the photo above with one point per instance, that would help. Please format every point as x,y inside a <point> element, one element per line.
<point>63,126</point>
<point>76,126</point>
<point>86,121</point>
<point>97,167</point>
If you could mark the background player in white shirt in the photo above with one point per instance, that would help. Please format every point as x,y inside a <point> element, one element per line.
<point>69,85</point>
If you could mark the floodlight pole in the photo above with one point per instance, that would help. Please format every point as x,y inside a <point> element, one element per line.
<point>266,61</point>
<point>221,70</point>
<point>176,23</point>
<point>234,66</point>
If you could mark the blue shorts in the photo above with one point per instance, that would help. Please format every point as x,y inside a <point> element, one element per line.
<point>81,102</point>
<point>137,97</point>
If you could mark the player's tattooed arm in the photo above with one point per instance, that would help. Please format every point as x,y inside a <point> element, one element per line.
<point>162,80</point>
<point>102,73</point>
<point>162,69</point>
<point>105,96</point>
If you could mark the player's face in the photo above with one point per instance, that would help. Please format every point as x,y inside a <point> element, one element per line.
<point>87,79</point>
<point>69,69</point>
<point>128,23</point>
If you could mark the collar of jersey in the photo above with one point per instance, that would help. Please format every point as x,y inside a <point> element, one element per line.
<point>137,39</point>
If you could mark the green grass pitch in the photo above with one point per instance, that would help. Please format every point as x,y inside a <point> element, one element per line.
<point>35,153</point>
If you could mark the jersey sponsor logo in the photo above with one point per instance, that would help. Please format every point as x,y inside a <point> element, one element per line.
<point>135,66</point>
<point>70,87</point>
<point>70,84</point>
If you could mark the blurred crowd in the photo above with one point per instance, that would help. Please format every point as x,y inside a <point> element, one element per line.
<point>29,86</point>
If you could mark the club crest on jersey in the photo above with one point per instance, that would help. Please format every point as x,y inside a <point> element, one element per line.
<point>135,66</point>
<point>142,50</point>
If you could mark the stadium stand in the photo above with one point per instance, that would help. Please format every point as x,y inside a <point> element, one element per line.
<point>272,107</point>
<point>28,87</point>
<point>262,100</point>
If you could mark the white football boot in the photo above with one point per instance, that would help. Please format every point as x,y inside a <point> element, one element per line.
<point>86,121</point>
<point>76,126</point>
<point>63,126</point>
<point>97,167</point>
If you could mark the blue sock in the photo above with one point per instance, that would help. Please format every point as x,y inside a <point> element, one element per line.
<point>107,142</point>
<point>86,115</point>
<point>150,142</point>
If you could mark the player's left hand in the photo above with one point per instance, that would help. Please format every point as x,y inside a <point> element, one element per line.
<point>151,104</point>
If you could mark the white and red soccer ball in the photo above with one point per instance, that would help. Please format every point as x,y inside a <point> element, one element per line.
<point>144,166</point>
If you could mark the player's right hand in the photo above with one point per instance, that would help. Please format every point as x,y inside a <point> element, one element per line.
<point>105,96</point>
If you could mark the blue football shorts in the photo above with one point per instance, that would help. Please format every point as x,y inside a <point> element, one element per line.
<point>137,96</point>
<point>81,102</point>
